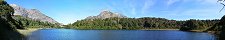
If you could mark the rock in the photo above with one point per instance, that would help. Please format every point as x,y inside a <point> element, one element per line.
<point>106,14</point>
<point>33,14</point>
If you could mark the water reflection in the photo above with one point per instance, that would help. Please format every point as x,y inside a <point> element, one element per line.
<point>68,34</point>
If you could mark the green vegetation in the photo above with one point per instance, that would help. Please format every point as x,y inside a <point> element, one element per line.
<point>222,23</point>
<point>29,23</point>
<point>198,24</point>
<point>219,28</point>
<point>124,23</point>
<point>142,23</point>
<point>8,25</point>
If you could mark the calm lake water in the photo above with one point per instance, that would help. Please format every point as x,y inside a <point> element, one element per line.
<point>69,34</point>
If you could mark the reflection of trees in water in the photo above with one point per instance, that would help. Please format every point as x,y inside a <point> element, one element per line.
<point>106,35</point>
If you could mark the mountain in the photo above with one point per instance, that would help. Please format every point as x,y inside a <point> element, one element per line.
<point>106,14</point>
<point>33,14</point>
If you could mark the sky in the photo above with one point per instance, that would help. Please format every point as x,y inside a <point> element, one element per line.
<point>69,11</point>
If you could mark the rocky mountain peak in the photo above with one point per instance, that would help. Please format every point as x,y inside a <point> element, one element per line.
<point>106,14</point>
<point>19,10</point>
<point>32,14</point>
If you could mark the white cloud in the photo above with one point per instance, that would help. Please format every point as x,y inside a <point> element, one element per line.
<point>147,5</point>
<point>133,11</point>
<point>130,4</point>
<point>170,2</point>
<point>209,1</point>
<point>201,12</point>
<point>202,1</point>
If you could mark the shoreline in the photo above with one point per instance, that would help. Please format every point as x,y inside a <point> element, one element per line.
<point>27,31</point>
<point>159,29</point>
<point>124,29</point>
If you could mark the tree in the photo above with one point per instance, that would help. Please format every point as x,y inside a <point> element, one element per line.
<point>146,24</point>
<point>189,25</point>
<point>222,2</point>
<point>222,22</point>
<point>8,25</point>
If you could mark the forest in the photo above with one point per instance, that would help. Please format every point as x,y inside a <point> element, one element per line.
<point>142,23</point>
<point>9,24</point>
<point>215,26</point>
<point>29,23</point>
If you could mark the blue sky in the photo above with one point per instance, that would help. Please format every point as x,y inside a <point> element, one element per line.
<point>68,11</point>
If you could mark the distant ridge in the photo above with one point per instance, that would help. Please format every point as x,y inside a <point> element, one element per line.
<point>106,14</point>
<point>33,14</point>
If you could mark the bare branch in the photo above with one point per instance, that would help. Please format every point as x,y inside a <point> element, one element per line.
<point>220,0</point>
<point>222,4</point>
<point>223,7</point>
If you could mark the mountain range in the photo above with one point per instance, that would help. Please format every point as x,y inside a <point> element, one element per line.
<point>33,14</point>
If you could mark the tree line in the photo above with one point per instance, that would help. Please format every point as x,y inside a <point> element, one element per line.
<point>30,23</point>
<point>142,23</point>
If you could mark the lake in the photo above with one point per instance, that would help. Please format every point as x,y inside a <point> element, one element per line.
<point>69,34</point>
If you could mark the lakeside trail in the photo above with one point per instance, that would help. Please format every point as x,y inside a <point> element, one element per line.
<point>27,31</point>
